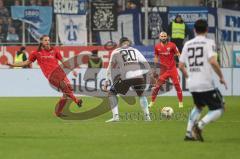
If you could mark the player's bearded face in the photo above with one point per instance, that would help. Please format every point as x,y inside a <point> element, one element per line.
<point>46,42</point>
<point>163,38</point>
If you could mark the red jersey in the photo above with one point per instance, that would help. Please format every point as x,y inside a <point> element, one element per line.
<point>47,60</point>
<point>166,54</point>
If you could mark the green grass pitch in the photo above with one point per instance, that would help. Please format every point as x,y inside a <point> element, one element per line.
<point>29,130</point>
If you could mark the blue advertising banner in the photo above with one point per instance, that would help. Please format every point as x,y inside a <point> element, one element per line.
<point>39,19</point>
<point>189,14</point>
<point>70,6</point>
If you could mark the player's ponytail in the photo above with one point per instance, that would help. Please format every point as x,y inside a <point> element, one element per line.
<point>39,46</point>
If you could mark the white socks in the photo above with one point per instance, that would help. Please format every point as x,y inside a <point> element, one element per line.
<point>144,105</point>
<point>210,117</point>
<point>193,118</point>
<point>195,115</point>
<point>114,106</point>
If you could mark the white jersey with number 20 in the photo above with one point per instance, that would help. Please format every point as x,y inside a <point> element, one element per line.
<point>127,63</point>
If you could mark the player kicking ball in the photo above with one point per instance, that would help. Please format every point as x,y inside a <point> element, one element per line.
<point>128,60</point>
<point>165,52</point>
<point>47,58</point>
<point>199,55</point>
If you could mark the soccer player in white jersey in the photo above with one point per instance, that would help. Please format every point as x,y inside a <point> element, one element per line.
<point>200,58</point>
<point>128,60</point>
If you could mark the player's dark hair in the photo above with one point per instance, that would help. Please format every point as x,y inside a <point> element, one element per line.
<point>40,44</point>
<point>201,26</point>
<point>123,39</point>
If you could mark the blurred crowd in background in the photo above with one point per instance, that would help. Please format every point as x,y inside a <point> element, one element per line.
<point>11,30</point>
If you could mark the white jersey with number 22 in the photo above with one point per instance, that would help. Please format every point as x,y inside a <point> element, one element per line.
<point>196,54</point>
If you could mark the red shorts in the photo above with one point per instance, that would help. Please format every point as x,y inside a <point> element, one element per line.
<point>169,73</point>
<point>61,82</point>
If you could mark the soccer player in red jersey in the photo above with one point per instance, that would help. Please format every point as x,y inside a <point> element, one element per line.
<point>47,58</point>
<point>165,52</point>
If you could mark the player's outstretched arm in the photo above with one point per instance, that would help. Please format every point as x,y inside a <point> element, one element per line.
<point>20,64</point>
<point>217,69</point>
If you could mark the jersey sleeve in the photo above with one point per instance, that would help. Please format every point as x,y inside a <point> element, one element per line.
<point>58,55</point>
<point>175,49</point>
<point>183,56</point>
<point>211,49</point>
<point>32,56</point>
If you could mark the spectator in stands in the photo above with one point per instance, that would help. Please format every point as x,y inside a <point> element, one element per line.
<point>133,4</point>
<point>12,36</point>
<point>3,25</point>
<point>3,10</point>
<point>178,31</point>
<point>20,56</point>
<point>2,35</point>
<point>17,3</point>
<point>39,2</point>
<point>32,3</point>
<point>50,3</point>
<point>201,3</point>
<point>95,64</point>
<point>10,23</point>
<point>94,60</point>
<point>14,23</point>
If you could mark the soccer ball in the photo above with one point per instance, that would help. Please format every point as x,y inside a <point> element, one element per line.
<point>167,112</point>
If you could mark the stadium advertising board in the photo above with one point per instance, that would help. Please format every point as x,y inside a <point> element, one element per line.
<point>34,83</point>
<point>83,85</point>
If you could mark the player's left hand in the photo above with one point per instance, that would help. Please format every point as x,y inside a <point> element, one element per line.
<point>222,81</point>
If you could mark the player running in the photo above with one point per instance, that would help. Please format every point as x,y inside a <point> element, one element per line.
<point>128,60</point>
<point>199,55</point>
<point>165,52</point>
<point>47,58</point>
